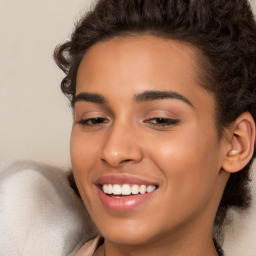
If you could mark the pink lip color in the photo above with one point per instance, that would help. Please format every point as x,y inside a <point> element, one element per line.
<point>123,179</point>
<point>125,203</point>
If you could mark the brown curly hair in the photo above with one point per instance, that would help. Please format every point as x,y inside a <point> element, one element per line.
<point>224,32</point>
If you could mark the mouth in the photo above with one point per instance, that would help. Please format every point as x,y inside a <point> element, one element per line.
<point>120,193</point>
<point>122,190</point>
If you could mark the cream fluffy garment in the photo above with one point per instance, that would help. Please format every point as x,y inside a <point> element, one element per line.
<point>40,215</point>
<point>240,233</point>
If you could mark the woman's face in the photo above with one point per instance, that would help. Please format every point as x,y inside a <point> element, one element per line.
<point>142,122</point>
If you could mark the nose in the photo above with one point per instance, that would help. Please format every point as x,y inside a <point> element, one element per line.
<point>121,146</point>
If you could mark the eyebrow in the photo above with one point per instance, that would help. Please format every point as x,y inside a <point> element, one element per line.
<point>90,97</point>
<point>160,95</point>
<point>141,97</point>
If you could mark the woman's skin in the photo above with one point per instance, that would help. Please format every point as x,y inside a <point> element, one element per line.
<point>141,117</point>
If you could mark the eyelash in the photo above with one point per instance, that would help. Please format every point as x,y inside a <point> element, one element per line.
<point>93,121</point>
<point>162,121</point>
<point>156,121</point>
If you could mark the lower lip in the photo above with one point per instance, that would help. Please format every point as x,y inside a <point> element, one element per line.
<point>123,204</point>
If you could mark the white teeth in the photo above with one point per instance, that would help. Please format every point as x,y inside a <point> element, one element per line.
<point>105,188</point>
<point>127,189</point>
<point>117,190</point>
<point>143,189</point>
<point>135,189</point>
<point>150,188</point>
<point>110,189</point>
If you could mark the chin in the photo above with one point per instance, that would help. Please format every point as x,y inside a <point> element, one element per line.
<point>130,233</point>
<point>127,238</point>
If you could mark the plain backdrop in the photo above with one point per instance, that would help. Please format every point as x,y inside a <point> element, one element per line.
<point>35,118</point>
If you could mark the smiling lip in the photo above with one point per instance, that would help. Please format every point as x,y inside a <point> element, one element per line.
<point>122,203</point>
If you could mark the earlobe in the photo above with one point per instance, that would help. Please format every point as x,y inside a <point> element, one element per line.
<point>241,143</point>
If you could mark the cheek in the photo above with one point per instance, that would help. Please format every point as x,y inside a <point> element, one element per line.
<point>83,154</point>
<point>83,149</point>
<point>190,162</point>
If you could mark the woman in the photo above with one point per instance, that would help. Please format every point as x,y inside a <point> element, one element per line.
<point>163,137</point>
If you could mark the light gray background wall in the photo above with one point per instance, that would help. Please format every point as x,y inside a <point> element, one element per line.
<point>35,118</point>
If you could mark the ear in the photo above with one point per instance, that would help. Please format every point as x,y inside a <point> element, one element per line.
<point>240,143</point>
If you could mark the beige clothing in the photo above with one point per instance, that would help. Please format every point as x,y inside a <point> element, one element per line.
<point>40,214</point>
<point>92,248</point>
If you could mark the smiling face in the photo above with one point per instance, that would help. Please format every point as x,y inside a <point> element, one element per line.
<point>145,130</point>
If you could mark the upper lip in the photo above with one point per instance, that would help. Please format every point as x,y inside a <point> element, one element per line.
<point>122,179</point>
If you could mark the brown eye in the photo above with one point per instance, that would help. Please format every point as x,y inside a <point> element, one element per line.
<point>93,121</point>
<point>161,121</point>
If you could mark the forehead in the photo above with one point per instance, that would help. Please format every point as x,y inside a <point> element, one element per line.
<point>138,63</point>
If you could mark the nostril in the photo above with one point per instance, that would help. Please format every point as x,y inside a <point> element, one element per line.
<point>126,161</point>
<point>116,162</point>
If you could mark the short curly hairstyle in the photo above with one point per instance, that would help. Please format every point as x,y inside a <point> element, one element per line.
<point>223,32</point>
